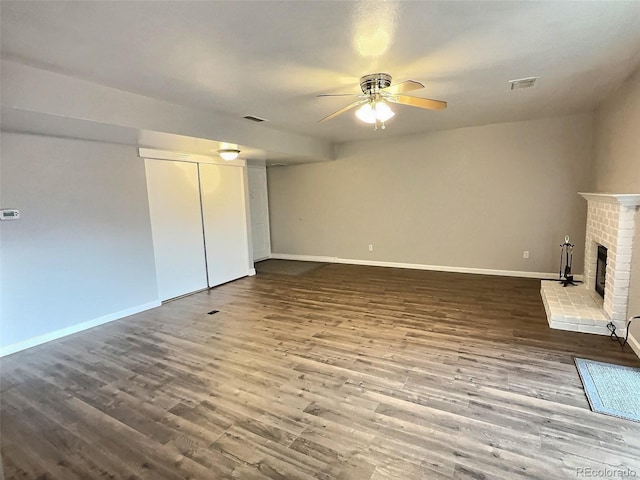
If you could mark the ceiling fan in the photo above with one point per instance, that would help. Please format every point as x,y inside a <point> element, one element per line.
<point>376,91</point>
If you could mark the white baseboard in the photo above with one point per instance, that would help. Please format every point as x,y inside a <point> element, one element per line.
<point>63,332</point>
<point>252,272</point>
<point>416,266</point>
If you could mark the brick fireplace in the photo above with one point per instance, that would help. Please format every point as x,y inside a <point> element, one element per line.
<point>610,224</point>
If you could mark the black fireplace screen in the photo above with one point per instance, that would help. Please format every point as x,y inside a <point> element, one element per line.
<point>601,270</point>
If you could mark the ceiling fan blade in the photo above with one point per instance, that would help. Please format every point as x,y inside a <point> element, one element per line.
<point>340,95</point>
<point>417,102</point>
<point>403,87</point>
<point>342,110</point>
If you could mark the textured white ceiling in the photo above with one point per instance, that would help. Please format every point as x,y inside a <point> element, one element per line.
<point>271,59</point>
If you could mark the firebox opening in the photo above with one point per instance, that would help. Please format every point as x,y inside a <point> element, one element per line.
<point>601,270</point>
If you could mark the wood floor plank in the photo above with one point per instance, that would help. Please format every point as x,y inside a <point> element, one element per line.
<point>343,373</point>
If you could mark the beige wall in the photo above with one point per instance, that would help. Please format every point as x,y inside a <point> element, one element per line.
<point>617,161</point>
<point>81,250</point>
<point>617,140</point>
<point>472,197</point>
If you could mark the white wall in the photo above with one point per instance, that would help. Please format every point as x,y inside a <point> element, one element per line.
<point>259,212</point>
<point>473,197</point>
<point>82,251</point>
<point>59,99</point>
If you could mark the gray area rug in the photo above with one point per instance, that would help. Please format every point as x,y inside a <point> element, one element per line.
<point>611,389</point>
<point>287,267</point>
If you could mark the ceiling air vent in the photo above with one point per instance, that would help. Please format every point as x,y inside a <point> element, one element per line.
<point>522,83</point>
<point>256,119</point>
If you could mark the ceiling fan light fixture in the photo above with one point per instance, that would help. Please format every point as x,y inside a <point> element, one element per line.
<point>373,112</point>
<point>229,154</point>
<point>383,112</point>
<point>366,113</point>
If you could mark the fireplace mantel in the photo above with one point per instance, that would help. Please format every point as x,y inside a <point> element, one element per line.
<point>627,199</point>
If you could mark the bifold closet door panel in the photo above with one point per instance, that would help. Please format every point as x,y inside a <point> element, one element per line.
<point>176,225</point>
<point>225,222</point>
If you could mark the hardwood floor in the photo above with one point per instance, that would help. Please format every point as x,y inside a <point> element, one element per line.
<point>347,372</point>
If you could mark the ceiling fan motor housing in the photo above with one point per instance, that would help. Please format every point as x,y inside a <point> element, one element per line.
<point>375,82</point>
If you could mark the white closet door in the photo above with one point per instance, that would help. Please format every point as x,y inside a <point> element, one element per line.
<point>225,222</point>
<point>259,206</point>
<point>176,224</point>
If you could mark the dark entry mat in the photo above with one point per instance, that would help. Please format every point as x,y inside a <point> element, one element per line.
<point>287,267</point>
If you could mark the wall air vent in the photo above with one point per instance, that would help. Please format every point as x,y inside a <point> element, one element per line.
<point>522,83</point>
<point>256,119</point>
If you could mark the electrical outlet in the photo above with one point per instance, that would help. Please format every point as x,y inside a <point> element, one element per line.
<point>525,254</point>
<point>371,248</point>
